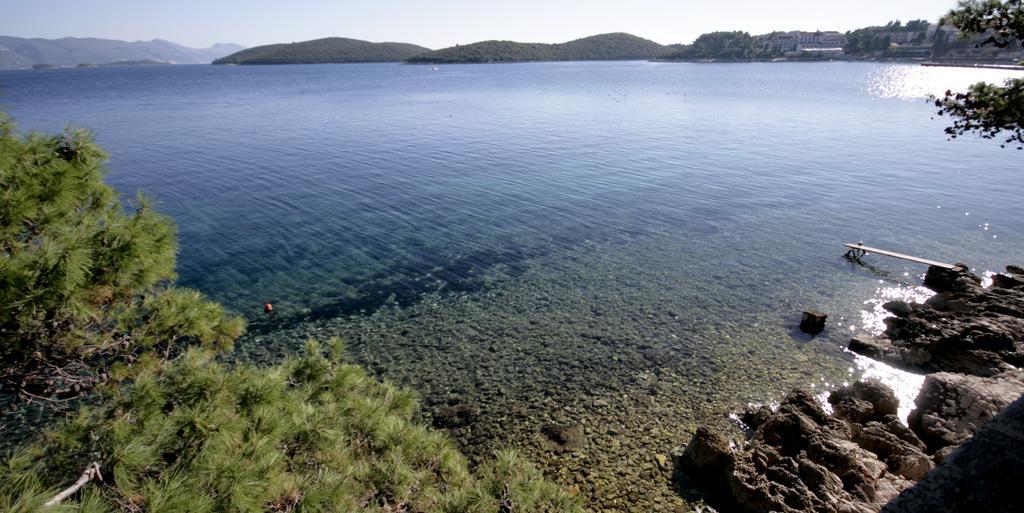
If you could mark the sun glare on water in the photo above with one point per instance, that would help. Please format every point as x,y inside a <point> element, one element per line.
<point>915,82</point>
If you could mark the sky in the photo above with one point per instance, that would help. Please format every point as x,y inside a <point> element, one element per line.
<point>440,23</point>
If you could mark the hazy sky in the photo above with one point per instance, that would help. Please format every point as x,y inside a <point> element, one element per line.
<point>439,23</point>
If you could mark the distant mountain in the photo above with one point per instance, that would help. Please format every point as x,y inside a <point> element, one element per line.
<point>604,47</point>
<point>321,51</point>
<point>17,52</point>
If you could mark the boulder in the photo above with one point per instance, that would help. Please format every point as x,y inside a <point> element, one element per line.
<point>951,407</point>
<point>801,458</point>
<point>813,322</point>
<point>709,460</point>
<point>872,347</point>
<point>898,308</point>
<point>983,474</point>
<point>754,416</point>
<point>903,457</point>
<point>1008,281</point>
<point>957,279</point>
<point>978,332</point>
<point>864,401</point>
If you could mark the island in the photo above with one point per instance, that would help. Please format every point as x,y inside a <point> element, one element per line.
<point>330,50</point>
<point>603,47</point>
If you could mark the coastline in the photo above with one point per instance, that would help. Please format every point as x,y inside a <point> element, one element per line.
<point>857,454</point>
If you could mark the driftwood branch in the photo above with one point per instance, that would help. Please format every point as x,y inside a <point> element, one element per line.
<point>91,472</point>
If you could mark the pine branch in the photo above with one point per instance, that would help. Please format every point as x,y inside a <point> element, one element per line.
<point>91,472</point>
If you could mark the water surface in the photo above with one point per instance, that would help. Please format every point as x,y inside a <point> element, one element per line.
<point>625,246</point>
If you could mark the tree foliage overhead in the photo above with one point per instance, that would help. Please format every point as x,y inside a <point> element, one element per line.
<point>990,110</point>
<point>1000,22</point>
<point>324,51</point>
<point>615,46</point>
<point>85,287</point>
<point>311,434</point>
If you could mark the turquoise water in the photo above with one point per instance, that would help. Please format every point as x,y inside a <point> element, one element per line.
<point>625,246</point>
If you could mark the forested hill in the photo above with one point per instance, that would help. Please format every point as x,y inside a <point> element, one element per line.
<point>327,50</point>
<point>604,47</point>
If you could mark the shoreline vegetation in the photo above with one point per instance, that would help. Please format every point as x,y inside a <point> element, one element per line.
<point>915,41</point>
<point>324,51</point>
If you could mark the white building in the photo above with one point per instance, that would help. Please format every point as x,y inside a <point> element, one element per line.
<point>791,42</point>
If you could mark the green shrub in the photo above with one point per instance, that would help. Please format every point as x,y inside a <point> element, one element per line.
<point>311,434</point>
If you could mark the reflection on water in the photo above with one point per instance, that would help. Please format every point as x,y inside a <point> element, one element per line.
<point>900,81</point>
<point>873,315</point>
<point>905,385</point>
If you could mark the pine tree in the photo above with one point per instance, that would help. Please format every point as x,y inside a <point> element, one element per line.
<point>310,434</point>
<point>86,288</point>
<point>989,110</point>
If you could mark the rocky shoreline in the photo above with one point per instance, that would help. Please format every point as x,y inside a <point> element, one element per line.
<point>968,338</point>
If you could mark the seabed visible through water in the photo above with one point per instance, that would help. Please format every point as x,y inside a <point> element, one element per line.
<point>637,356</point>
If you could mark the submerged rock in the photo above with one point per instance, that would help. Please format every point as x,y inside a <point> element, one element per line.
<point>563,437</point>
<point>456,416</point>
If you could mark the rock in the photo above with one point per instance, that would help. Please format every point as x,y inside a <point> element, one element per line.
<point>852,409</point>
<point>978,332</point>
<point>563,438</point>
<point>951,407</point>
<point>1008,281</point>
<point>708,452</point>
<point>903,457</point>
<point>864,401</point>
<point>872,347</point>
<point>861,456</point>
<point>803,459</point>
<point>1015,269</point>
<point>813,322</point>
<point>456,416</point>
<point>898,308</point>
<point>984,474</point>
<point>754,416</point>
<point>947,302</point>
<point>661,460</point>
<point>857,468</point>
<point>709,461</point>
<point>957,279</point>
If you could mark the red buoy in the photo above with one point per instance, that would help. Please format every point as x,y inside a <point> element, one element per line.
<point>268,308</point>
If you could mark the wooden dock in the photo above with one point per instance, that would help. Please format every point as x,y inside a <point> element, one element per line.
<point>858,250</point>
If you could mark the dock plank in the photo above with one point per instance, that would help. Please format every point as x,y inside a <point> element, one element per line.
<point>925,261</point>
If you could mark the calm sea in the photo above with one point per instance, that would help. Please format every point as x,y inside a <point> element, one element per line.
<point>626,246</point>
